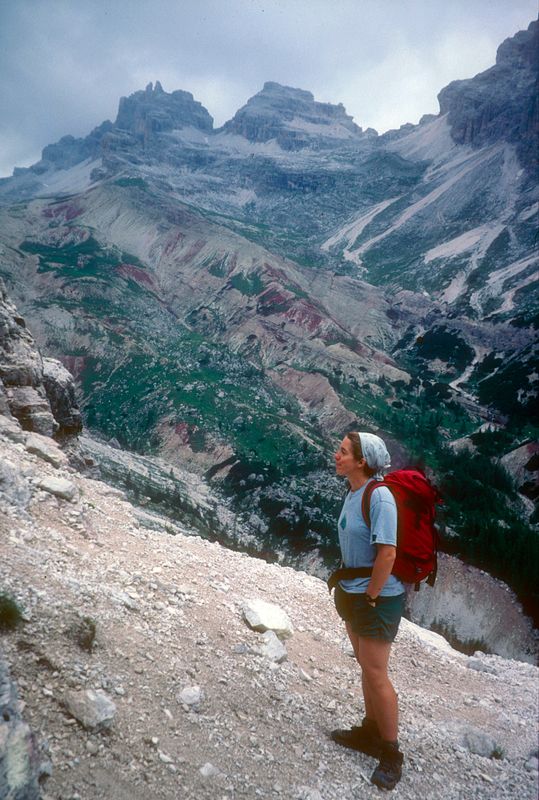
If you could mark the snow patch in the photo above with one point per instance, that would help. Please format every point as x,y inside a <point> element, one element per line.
<point>510,271</point>
<point>189,134</point>
<point>236,145</point>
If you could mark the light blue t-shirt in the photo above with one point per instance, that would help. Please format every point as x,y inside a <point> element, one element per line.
<point>358,542</point>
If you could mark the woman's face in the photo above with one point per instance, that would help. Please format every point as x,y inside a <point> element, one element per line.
<point>345,462</point>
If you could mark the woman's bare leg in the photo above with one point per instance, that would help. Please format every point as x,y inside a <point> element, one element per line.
<point>373,657</point>
<point>369,707</point>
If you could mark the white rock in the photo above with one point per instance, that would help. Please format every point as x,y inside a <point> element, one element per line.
<point>92,708</point>
<point>480,666</point>
<point>209,771</point>
<point>272,647</point>
<point>479,743</point>
<point>191,696</point>
<point>11,429</point>
<point>308,793</point>
<point>46,448</point>
<point>60,487</point>
<point>263,616</point>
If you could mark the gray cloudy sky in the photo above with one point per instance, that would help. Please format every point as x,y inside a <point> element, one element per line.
<point>65,63</point>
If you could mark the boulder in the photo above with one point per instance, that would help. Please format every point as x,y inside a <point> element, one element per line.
<point>11,429</point>
<point>263,616</point>
<point>31,409</point>
<point>208,770</point>
<point>92,708</point>
<point>46,448</point>
<point>60,487</point>
<point>272,647</point>
<point>480,743</point>
<point>191,697</point>
<point>19,754</point>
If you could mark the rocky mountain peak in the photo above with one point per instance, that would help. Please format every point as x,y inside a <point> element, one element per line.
<point>500,104</point>
<point>291,116</point>
<point>521,50</point>
<point>158,88</point>
<point>154,110</point>
<point>276,91</point>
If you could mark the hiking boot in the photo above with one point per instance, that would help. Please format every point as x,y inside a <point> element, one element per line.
<point>364,738</point>
<point>388,772</point>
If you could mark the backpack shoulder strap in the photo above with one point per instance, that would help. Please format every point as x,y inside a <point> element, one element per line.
<point>366,500</point>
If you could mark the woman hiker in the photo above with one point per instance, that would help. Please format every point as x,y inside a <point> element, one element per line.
<point>371,607</point>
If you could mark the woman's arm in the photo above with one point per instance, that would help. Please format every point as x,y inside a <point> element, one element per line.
<point>383,564</point>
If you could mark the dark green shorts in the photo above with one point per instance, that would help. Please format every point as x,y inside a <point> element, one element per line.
<point>380,622</point>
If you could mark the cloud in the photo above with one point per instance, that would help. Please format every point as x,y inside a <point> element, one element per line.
<point>64,65</point>
<point>405,84</point>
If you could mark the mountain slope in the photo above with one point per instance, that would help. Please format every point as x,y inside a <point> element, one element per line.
<point>167,616</point>
<point>238,298</point>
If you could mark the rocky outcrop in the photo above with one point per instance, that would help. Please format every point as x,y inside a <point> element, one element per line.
<point>501,103</point>
<point>174,491</point>
<point>19,753</point>
<point>476,610</point>
<point>40,395</point>
<point>21,372</point>
<point>69,151</point>
<point>60,388</point>
<point>523,464</point>
<point>20,362</point>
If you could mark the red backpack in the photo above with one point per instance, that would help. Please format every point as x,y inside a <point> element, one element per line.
<point>417,538</point>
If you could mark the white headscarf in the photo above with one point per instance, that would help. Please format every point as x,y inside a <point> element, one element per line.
<point>375,453</point>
